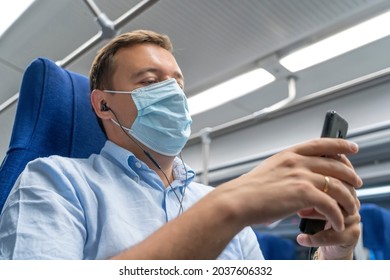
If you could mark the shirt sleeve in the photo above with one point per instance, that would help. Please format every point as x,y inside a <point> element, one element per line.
<point>250,245</point>
<point>42,217</point>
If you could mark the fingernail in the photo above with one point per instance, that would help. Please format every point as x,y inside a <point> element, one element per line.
<point>354,146</point>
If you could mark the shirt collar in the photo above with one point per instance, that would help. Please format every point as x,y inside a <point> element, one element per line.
<point>117,153</point>
<point>181,171</point>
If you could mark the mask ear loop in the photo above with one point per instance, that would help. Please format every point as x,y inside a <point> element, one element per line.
<point>157,165</point>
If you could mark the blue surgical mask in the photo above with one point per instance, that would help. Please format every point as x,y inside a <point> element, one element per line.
<point>163,122</point>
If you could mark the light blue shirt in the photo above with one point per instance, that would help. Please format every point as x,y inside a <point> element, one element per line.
<point>63,208</point>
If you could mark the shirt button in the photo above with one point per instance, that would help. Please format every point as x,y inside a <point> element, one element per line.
<point>138,164</point>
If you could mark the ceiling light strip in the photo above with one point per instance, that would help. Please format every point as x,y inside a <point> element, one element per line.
<point>339,43</point>
<point>229,90</point>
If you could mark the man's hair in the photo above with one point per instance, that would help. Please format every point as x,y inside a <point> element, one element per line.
<point>103,65</point>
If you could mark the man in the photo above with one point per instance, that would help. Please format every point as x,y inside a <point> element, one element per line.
<point>137,200</point>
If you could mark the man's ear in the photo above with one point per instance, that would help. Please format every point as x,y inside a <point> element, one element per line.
<point>99,104</point>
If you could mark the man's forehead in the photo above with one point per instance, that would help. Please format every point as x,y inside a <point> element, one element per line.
<point>148,62</point>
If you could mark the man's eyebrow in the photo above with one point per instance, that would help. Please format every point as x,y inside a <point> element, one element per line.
<point>141,72</point>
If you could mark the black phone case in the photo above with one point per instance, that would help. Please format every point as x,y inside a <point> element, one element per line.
<point>334,126</point>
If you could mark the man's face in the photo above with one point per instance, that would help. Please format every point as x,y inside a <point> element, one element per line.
<point>139,66</point>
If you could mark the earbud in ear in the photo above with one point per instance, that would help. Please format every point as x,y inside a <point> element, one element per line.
<point>104,107</point>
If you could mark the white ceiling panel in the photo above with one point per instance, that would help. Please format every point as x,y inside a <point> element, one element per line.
<point>10,80</point>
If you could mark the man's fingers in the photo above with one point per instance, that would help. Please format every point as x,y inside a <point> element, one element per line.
<point>326,147</point>
<point>329,209</point>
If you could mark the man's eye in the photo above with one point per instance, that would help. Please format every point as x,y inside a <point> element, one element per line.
<point>148,82</point>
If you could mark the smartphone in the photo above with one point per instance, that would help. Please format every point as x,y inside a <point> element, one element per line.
<point>335,126</point>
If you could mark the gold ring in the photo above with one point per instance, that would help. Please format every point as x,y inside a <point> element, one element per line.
<point>326,185</point>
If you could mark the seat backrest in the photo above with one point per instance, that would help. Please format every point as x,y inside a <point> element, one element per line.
<point>276,247</point>
<point>54,116</point>
<point>376,230</point>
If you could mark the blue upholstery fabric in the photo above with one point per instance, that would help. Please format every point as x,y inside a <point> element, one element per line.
<point>54,116</point>
<point>376,230</point>
<point>276,247</point>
